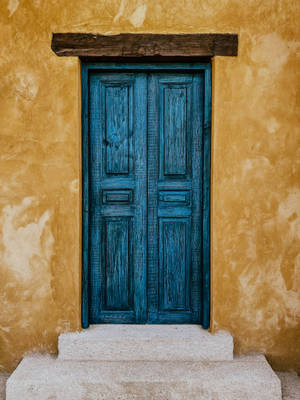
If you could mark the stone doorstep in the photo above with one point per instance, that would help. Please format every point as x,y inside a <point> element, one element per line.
<point>145,342</point>
<point>44,377</point>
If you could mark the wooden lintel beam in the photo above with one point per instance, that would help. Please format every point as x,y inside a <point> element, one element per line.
<point>127,45</point>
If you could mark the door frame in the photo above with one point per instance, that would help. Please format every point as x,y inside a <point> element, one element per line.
<point>151,67</point>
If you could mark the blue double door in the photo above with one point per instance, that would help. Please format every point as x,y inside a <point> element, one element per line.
<point>145,197</point>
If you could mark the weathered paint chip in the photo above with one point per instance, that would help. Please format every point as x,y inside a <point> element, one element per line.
<point>138,16</point>
<point>270,50</point>
<point>27,84</point>
<point>27,245</point>
<point>12,6</point>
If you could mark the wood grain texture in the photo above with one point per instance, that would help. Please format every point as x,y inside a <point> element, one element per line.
<point>175,117</point>
<point>117,129</point>
<point>145,45</point>
<point>175,130</point>
<point>174,243</point>
<point>117,197</point>
<point>206,201</point>
<point>146,229</point>
<point>117,261</point>
<point>85,199</point>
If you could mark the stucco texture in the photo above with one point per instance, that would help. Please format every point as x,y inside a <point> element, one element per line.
<point>255,168</point>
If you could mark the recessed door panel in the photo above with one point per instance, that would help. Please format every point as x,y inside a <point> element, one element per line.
<point>118,116</point>
<point>117,263</point>
<point>174,127</point>
<point>174,264</point>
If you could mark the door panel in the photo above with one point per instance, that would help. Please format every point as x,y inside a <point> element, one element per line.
<point>117,106</point>
<point>174,130</point>
<point>174,265</point>
<point>117,242</point>
<point>145,196</point>
<point>174,197</point>
<point>118,197</point>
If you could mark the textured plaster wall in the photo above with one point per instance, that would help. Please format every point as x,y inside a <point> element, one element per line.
<point>255,155</point>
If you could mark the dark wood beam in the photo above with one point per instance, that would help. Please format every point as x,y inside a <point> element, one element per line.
<point>138,45</point>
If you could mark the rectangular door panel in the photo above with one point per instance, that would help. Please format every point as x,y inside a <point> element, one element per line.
<point>175,97</point>
<point>174,130</point>
<point>118,197</point>
<point>117,264</point>
<point>118,121</point>
<point>175,123</point>
<point>174,264</point>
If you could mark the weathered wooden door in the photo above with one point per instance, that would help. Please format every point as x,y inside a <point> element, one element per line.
<point>145,142</point>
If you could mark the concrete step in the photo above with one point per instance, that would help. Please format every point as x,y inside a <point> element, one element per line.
<point>145,343</point>
<point>44,377</point>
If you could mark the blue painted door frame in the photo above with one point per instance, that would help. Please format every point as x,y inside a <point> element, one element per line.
<point>146,193</point>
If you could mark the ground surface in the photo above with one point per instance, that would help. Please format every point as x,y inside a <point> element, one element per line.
<point>290,385</point>
<point>3,379</point>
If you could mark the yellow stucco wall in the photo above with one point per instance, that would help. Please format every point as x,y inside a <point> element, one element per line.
<point>255,175</point>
